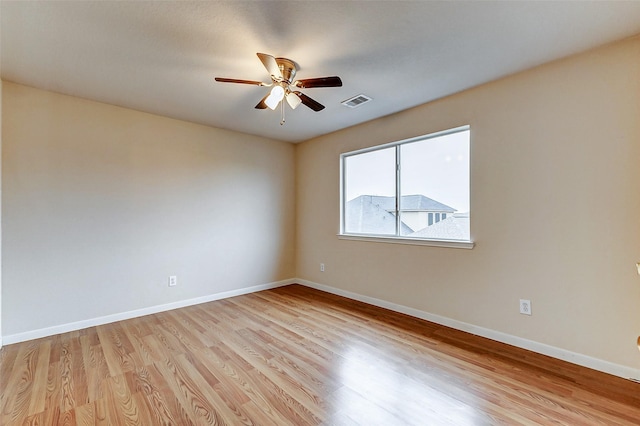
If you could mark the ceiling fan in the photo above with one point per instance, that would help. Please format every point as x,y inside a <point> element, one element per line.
<point>283,72</point>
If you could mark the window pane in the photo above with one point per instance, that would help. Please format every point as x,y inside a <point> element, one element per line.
<point>434,187</point>
<point>370,190</point>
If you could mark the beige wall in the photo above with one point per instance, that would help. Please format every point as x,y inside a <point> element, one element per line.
<point>555,209</point>
<point>101,204</point>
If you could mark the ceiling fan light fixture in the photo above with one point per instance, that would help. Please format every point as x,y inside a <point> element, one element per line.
<point>283,72</point>
<point>277,94</point>
<point>293,100</point>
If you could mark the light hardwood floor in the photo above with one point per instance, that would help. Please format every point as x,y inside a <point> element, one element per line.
<point>297,356</point>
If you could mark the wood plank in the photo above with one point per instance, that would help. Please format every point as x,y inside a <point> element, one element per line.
<point>39,389</point>
<point>53,399</point>
<point>145,387</point>
<point>119,403</point>
<point>85,415</point>
<point>95,367</point>
<point>190,397</point>
<point>20,382</point>
<point>117,349</point>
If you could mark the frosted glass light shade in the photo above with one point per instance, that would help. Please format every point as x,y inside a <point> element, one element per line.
<point>293,100</point>
<point>277,93</point>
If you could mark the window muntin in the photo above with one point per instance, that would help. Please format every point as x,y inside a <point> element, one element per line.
<point>416,189</point>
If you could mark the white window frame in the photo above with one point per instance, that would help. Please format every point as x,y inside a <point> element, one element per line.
<point>395,239</point>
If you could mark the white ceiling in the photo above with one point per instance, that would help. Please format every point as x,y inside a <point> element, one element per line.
<point>161,57</point>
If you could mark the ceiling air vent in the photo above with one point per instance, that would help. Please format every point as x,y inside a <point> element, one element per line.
<point>356,101</point>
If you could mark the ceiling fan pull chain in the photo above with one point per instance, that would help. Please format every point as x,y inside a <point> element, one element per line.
<point>282,106</point>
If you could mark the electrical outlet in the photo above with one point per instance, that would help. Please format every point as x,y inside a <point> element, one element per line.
<point>525,307</point>
<point>173,281</point>
<point>322,267</point>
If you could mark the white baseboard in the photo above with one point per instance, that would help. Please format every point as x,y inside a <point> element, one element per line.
<point>541,348</point>
<point>79,325</point>
<point>565,355</point>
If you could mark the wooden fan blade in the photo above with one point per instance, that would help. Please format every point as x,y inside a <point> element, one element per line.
<point>309,83</point>
<point>261,104</point>
<point>235,80</point>
<point>270,64</point>
<point>314,105</point>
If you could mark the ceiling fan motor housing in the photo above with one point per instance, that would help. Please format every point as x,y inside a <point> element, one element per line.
<point>288,68</point>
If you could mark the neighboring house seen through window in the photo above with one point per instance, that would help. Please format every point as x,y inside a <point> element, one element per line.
<point>417,188</point>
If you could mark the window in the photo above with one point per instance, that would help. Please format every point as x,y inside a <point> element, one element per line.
<point>416,189</point>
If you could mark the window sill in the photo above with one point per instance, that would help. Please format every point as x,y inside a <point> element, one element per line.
<point>411,241</point>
